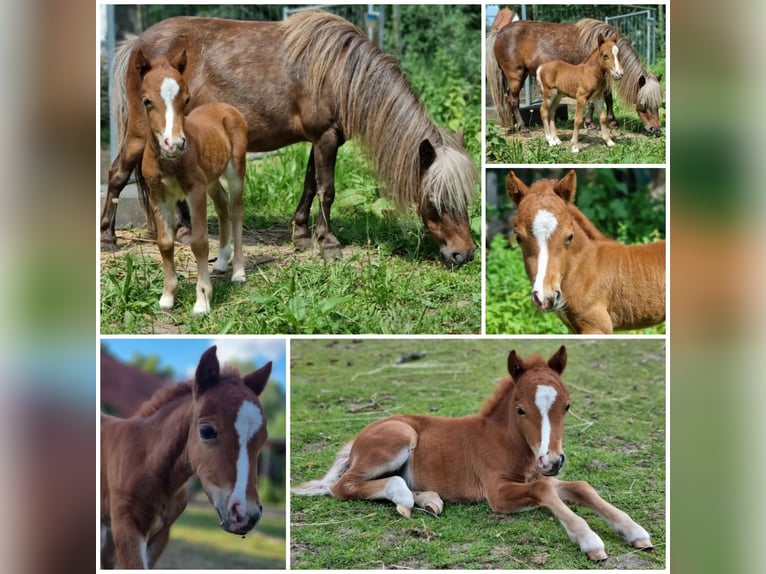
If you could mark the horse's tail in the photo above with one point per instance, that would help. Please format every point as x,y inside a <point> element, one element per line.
<point>496,83</point>
<point>322,486</point>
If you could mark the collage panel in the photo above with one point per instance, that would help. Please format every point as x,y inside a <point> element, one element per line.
<point>409,453</point>
<point>193,436</point>
<point>576,82</point>
<point>576,250</point>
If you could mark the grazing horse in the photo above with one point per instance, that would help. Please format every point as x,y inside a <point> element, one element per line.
<point>213,428</point>
<point>185,158</point>
<point>593,283</point>
<point>519,48</point>
<point>313,77</point>
<point>585,82</point>
<point>507,454</point>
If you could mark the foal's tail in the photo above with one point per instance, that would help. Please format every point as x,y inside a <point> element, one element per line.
<point>496,83</point>
<point>322,486</point>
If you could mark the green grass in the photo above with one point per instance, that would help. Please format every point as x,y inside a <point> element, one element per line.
<point>615,439</point>
<point>197,542</point>
<point>388,257</point>
<point>509,309</point>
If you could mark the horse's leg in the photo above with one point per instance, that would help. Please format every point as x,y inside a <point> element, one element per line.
<point>588,120</point>
<point>130,544</point>
<point>119,173</point>
<point>157,545</point>
<point>197,198</point>
<point>326,152</point>
<point>378,451</point>
<point>301,232</point>
<point>602,120</point>
<point>221,204</point>
<point>505,496</point>
<point>431,501</point>
<point>580,492</point>
<point>579,110</point>
<point>515,83</point>
<point>165,221</point>
<point>108,552</point>
<point>609,101</point>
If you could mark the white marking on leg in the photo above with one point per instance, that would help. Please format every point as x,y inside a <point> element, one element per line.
<point>543,226</point>
<point>398,492</point>
<point>544,399</point>
<point>249,420</point>
<point>144,553</point>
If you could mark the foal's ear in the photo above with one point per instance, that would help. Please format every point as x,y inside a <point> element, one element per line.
<point>600,38</point>
<point>141,63</point>
<point>516,365</point>
<point>567,187</point>
<point>558,361</point>
<point>179,61</point>
<point>208,371</point>
<point>257,379</point>
<point>515,188</point>
<point>427,155</point>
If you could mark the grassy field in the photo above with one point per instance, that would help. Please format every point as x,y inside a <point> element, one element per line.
<point>388,257</point>
<point>197,542</point>
<point>615,439</point>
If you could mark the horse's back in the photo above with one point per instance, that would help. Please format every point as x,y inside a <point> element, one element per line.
<point>530,43</point>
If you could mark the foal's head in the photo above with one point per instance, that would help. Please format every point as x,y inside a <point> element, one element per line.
<point>165,97</point>
<point>609,56</point>
<point>539,404</point>
<point>228,430</point>
<point>547,232</point>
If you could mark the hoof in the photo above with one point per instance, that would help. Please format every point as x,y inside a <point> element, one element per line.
<point>610,143</point>
<point>238,276</point>
<point>404,511</point>
<point>597,555</point>
<point>108,246</point>
<point>434,508</point>
<point>332,254</point>
<point>575,150</point>
<point>166,302</point>
<point>303,243</point>
<point>643,544</point>
<point>183,235</point>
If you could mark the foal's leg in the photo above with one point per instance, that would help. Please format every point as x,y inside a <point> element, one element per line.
<point>300,223</point>
<point>505,496</point>
<point>582,100</point>
<point>119,173</point>
<point>165,221</point>
<point>326,152</point>
<point>602,121</point>
<point>221,204</point>
<point>580,492</point>
<point>384,449</point>
<point>235,176</point>
<point>130,543</point>
<point>197,198</point>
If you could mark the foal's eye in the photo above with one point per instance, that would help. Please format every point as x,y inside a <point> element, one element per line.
<point>207,432</point>
<point>520,412</point>
<point>518,239</point>
<point>569,238</point>
<point>147,103</point>
<point>566,408</point>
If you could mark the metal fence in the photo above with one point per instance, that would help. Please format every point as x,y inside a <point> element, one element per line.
<point>641,28</point>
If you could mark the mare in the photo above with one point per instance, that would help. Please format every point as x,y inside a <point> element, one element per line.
<point>508,454</point>
<point>519,48</point>
<point>585,82</point>
<point>313,77</point>
<point>593,283</point>
<point>185,158</point>
<point>213,428</point>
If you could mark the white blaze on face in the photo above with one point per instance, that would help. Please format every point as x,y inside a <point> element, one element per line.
<point>543,226</point>
<point>545,396</point>
<point>617,66</point>
<point>249,421</point>
<point>168,90</point>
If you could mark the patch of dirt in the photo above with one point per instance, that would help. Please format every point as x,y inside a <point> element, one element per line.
<point>631,561</point>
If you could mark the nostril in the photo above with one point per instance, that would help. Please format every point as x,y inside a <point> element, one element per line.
<point>457,257</point>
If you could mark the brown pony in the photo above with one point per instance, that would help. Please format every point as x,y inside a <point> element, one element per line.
<point>585,82</point>
<point>313,77</point>
<point>593,283</point>
<point>507,454</point>
<point>213,428</point>
<point>185,158</point>
<point>519,48</point>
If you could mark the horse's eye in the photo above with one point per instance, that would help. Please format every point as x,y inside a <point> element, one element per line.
<point>207,432</point>
<point>569,238</point>
<point>566,408</point>
<point>520,412</point>
<point>147,103</point>
<point>518,239</point>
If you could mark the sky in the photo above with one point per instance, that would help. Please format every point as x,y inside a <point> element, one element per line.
<point>182,355</point>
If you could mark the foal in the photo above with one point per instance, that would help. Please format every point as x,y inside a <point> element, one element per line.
<point>584,82</point>
<point>507,454</point>
<point>185,157</point>
<point>593,283</point>
<point>212,428</point>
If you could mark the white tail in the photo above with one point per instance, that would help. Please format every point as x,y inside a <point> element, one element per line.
<point>322,486</point>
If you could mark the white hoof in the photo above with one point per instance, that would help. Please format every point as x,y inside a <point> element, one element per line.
<point>575,149</point>
<point>610,143</point>
<point>166,302</point>
<point>221,265</point>
<point>201,307</point>
<point>238,276</point>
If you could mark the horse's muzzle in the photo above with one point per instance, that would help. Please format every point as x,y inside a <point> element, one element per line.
<point>454,258</point>
<point>655,131</point>
<point>555,467</point>
<point>242,524</point>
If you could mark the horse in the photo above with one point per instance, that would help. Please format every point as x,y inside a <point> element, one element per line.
<point>313,77</point>
<point>585,82</point>
<point>593,283</point>
<point>185,158</point>
<point>518,49</point>
<point>508,454</point>
<point>213,428</point>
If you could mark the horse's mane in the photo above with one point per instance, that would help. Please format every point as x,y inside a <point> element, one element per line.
<point>591,231</point>
<point>650,95</point>
<point>162,397</point>
<point>377,106</point>
<point>505,386</point>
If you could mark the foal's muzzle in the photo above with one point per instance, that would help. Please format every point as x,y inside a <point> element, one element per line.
<point>241,523</point>
<point>555,466</point>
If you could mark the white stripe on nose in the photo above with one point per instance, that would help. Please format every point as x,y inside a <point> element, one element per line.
<point>169,90</point>
<point>249,421</point>
<point>543,226</point>
<point>617,66</point>
<point>545,396</point>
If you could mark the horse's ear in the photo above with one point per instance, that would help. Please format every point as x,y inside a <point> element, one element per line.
<point>515,188</point>
<point>600,38</point>
<point>179,61</point>
<point>659,77</point>
<point>427,155</point>
<point>641,81</point>
<point>460,139</point>
<point>566,187</point>
<point>516,365</point>
<point>141,63</point>
<point>208,371</point>
<point>257,379</point>
<point>558,361</point>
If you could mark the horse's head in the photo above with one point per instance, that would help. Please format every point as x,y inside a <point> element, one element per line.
<point>648,103</point>
<point>448,181</point>
<point>546,232</point>
<point>228,430</point>
<point>165,97</point>
<point>540,401</point>
<point>609,56</point>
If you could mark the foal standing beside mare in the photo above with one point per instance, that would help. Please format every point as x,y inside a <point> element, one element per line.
<point>585,82</point>
<point>507,454</point>
<point>593,283</point>
<point>213,428</point>
<point>185,157</point>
